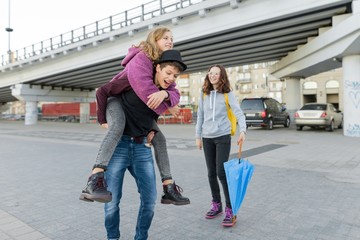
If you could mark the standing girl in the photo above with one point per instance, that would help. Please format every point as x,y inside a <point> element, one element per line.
<point>138,75</point>
<point>213,135</point>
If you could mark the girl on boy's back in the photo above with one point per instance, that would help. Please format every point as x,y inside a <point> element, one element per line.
<point>137,75</point>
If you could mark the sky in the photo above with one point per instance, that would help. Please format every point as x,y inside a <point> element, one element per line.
<point>35,20</point>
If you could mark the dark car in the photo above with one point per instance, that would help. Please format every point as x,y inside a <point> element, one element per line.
<point>264,112</point>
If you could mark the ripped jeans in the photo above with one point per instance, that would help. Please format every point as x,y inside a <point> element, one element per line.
<point>115,117</point>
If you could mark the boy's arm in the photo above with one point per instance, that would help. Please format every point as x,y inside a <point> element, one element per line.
<point>140,74</point>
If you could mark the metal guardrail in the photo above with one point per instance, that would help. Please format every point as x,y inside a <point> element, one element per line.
<point>129,17</point>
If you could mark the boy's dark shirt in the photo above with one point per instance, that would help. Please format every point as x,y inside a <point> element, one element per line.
<point>139,117</point>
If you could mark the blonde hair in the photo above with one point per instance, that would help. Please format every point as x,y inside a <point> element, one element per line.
<point>149,46</point>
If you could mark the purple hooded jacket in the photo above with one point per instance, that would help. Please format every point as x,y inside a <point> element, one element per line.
<point>138,75</point>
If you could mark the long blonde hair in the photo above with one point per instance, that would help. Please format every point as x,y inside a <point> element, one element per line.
<point>149,46</point>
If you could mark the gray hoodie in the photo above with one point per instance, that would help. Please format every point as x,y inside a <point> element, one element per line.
<point>212,120</point>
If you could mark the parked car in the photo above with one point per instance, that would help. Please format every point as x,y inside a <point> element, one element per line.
<point>13,117</point>
<point>318,115</point>
<point>264,112</point>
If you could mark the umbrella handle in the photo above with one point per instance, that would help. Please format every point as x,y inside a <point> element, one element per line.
<point>240,152</point>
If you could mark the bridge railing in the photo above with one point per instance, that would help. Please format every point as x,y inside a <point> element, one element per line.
<point>129,17</point>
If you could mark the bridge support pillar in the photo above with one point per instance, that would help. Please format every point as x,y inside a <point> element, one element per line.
<point>292,96</point>
<point>34,94</point>
<point>351,78</point>
<point>84,112</point>
<point>31,112</point>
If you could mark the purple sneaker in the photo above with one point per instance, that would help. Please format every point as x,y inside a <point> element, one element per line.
<point>230,218</point>
<point>215,210</point>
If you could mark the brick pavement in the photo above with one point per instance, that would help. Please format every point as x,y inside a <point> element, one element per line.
<point>306,185</point>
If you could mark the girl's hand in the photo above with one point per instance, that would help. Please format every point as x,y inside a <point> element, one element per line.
<point>199,143</point>
<point>241,138</point>
<point>155,99</point>
<point>105,125</point>
<point>175,110</point>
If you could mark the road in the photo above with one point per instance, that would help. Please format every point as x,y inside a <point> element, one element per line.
<point>306,185</point>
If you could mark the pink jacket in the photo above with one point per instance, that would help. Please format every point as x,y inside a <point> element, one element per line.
<point>138,75</point>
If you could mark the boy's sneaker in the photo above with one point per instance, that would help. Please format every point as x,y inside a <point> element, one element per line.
<point>216,210</point>
<point>172,195</point>
<point>230,218</point>
<point>95,189</point>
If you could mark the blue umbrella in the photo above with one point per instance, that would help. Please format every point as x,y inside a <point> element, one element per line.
<point>238,175</point>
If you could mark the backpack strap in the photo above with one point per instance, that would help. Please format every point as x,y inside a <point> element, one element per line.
<point>227,102</point>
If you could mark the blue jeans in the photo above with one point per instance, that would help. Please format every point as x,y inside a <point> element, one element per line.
<point>137,158</point>
<point>115,117</point>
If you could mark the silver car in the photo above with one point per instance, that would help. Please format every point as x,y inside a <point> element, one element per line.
<point>317,115</point>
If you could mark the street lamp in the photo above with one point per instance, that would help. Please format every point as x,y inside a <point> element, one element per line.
<point>9,30</point>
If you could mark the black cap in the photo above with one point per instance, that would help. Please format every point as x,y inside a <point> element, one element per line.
<point>171,55</point>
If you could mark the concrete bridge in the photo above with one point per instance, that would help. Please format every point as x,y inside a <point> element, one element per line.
<point>306,37</point>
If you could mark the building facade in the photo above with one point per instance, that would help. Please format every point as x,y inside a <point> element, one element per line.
<point>252,81</point>
<point>255,81</point>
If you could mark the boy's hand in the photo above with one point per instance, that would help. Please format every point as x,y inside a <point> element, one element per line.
<point>105,125</point>
<point>175,110</point>
<point>150,136</point>
<point>155,99</point>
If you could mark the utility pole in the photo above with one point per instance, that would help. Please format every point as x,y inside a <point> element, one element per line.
<point>9,30</point>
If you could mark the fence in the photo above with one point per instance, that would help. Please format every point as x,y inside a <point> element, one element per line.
<point>135,15</point>
<point>185,117</point>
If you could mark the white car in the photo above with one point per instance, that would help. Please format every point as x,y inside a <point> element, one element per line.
<point>316,115</point>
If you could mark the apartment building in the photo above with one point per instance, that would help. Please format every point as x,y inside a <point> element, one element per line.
<point>255,80</point>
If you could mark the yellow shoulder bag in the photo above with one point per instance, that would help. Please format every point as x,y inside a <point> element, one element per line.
<point>231,115</point>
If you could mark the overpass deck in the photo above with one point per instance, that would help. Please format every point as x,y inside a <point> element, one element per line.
<point>227,32</point>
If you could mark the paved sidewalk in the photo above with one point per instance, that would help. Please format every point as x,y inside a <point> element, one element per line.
<point>306,185</point>
<point>13,228</point>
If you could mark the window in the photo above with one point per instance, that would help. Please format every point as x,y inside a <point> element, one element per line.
<point>332,84</point>
<point>314,107</point>
<point>310,85</point>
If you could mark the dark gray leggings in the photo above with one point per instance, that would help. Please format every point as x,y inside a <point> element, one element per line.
<point>115,117</point>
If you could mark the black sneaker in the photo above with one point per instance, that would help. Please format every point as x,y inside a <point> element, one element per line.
<point>95,189</point>
<point>172,195</point>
